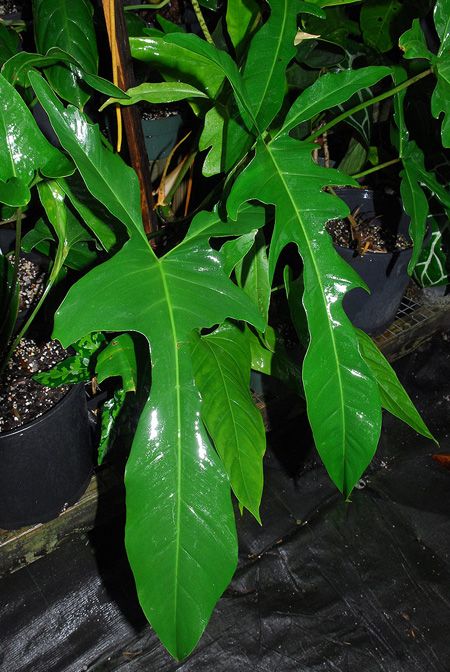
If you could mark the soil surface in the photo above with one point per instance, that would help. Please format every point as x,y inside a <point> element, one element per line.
<point>21,398</point>
<point>366,235</point>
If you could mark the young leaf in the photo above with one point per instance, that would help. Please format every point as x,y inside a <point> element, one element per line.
<point>394,397</point>
<point>69,26</point>
<point>252,274</point>
<point>241,20</point>
<point>161,92</point>
<point>221,363</point>
<point>118,359</point>
<point>413,43</point>
<point>275,360</point>
<point>270,51</point>
<point>330,90</point>
<point>343,400</point>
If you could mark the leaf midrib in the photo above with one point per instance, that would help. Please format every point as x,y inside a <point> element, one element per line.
<point>318,276</point>
<point>178,446</point>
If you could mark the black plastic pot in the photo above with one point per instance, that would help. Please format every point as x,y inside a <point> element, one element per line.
<point>46,465</point>
<point>384,273</point>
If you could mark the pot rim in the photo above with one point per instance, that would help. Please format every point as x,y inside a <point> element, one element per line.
<point>45,416</point>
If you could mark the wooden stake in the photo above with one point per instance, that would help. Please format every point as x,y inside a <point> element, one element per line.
<point>124,77</point>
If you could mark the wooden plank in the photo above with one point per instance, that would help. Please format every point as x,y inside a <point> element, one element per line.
<point>22,547</point>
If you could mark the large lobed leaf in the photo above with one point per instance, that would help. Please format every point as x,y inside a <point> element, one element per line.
<point>342,397</point>
<point>180,534</point>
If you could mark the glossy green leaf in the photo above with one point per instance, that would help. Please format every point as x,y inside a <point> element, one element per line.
<point>393,396</point>
<point>330,90</point>
<point>413,43</point>
<point>272,358</point>
<point>180,534</point>
<point>23,148</point>
<point>177,62</point>
<point>180,531</point>
<point>161,92</point>
<point>217,58</point>
<point>233,251</point>
<point>16,70</point>
<point>225,135</point>
<point>14,192</point>
<point>68,230</point>
<point>221,363</point>
<point>343,400</point>
<point>414,176</point>
<point>108,179</point>
<point>268,56</point>
<point>69,26</point>
<point>252,275</point>
<point>241,21</point>
<point>118,359</point>
<point>94,216</point>
<point>40,237</point>
<point>9,43</point>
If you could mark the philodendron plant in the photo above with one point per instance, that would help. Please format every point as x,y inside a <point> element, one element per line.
<point>203,305</point>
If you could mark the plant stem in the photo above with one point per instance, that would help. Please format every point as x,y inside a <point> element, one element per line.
<point>380,166</point>
<point>367,103</point>
<point>201,20</point>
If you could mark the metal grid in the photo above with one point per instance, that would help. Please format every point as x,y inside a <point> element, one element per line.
<point>415,322</point>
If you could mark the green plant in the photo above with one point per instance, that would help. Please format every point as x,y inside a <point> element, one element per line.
<point>30,163</point>
<point>203,305</point>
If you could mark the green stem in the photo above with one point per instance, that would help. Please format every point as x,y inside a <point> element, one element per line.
<point>367,103</point>
<point>201,20</point>
<point>60,257</point>
<point>132,8</point>
<point>380,166</point>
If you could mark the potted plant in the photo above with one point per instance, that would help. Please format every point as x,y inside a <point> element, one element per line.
<point>203,304</point>
<point>45,456</point>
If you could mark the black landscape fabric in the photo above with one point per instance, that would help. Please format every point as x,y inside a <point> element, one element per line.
<point>323,585</point>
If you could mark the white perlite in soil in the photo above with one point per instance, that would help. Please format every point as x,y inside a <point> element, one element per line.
<point>21,398</point>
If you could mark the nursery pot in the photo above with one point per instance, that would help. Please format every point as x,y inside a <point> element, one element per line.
<point>385,273</point>
<point>45,465</point>
<point>160,135</point>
